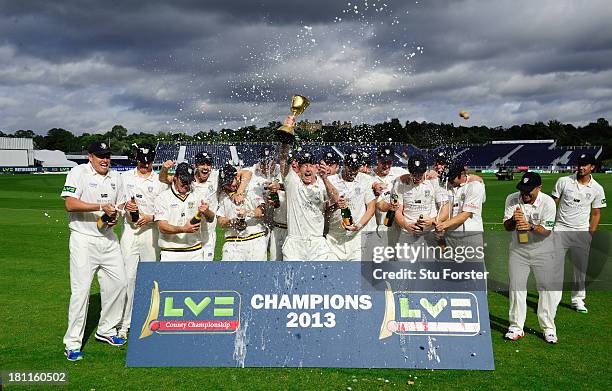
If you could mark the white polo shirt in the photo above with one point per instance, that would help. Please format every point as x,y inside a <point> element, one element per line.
<point>541,212</point>
<point>358,193</point>
<point>305,206</point>
<point>177,210</point>
<point>84,183</point>
<point>228,209</point>
<point>422,199</point>
<point>576,201</point>
<point>211,184</point>
<point>468,197</point>
<point>144,191</point>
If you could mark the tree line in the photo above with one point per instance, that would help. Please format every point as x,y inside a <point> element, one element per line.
<point>420,134</point>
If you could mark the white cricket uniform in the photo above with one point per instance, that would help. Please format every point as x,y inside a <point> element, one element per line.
<point>277,219</point>
<point>425,198</point>
<point>93,250</point>
<point>208,191</point>
<point>347,245</point>
<point>537,255</point>
<point>572,226</point>
<point>138,244</point>
<point>249,244</point>
<point>376,232</point>
<point>305,220</point>
<point>468,197</point>
<point>177,210</point>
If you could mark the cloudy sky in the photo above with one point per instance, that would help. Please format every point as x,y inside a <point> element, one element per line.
<point>191,65</point>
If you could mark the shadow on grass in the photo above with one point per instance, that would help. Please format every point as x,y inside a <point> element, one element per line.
<point>93,316</point>
<point>501,324</point>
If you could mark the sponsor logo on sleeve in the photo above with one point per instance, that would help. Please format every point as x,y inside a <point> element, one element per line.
<point>72,189</point>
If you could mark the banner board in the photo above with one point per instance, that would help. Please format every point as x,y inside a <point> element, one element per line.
<point>302,314</point>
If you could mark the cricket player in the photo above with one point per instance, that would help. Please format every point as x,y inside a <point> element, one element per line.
<point>308,195</point>
<point>139,238</point>
<point>245,232</point>
<point>530,215</point>
<point>356,196</point>
<point>464,226</point>
<point>333,162</point>
<point>206,183</point>
<point>268,181</point>
<point>179,213</point>
<point>383,175</point>
<point>93,191</point>
<point>580,199</point>
<point>421,204</point>
<point>439,170</point>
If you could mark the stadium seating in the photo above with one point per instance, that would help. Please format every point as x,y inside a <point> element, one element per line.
<point>532,154</point>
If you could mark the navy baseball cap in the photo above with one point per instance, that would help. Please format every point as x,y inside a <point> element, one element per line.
<point>145,153</point>
<point>585,158</point>
<point>331,158</point>
<point>455,169</point>
<point>385,152</point>
<point>184,172</point>
<point>304,157</point>
<point>529,181</point>
<point>417,164</point>
<point>203,158</point>
<point>227,175</point>
<point>100,149</point>
<point>353,159</point>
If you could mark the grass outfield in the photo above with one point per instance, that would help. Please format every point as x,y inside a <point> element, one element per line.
<point>34,282</point>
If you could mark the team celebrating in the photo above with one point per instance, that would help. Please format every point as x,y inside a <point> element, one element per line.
<point>296,206</point>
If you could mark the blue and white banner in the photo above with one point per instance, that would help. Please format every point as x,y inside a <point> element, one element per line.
<point>302,314</point>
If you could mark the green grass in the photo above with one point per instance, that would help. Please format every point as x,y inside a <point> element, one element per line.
<point>34,282</point>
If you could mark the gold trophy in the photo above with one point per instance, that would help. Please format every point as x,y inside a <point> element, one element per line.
<point>285,133</point>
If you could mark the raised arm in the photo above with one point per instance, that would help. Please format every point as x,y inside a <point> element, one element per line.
<point>163,172</point>
<point>284,157</point>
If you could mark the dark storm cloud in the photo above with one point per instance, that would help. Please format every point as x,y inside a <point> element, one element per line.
<point>198,64</point>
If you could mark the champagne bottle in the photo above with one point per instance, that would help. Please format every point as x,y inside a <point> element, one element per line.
<point>273,196</point>
<point>240,224</point>
<point>134,215</point>
<point>421,217</point>
<point>196,219</point>
<point>104,220</point>
<point>523,236</point>
<point>390,216</point>
<point>347,218</point>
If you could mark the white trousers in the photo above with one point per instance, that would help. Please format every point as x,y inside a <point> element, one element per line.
<point>548,274</point>
<point>88,255</point>
<point>136,246</point>
<point>181,256</point>
<point>277,238</point>
<point>314,248</point>
<point>345,247</point>
<point>209,240</point>
<point>248,250</point>
<point>578,243</point>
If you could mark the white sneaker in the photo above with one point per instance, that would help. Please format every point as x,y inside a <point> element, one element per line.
<point>514,334</point>
<point>551,337</point>
<point>580,307</point>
